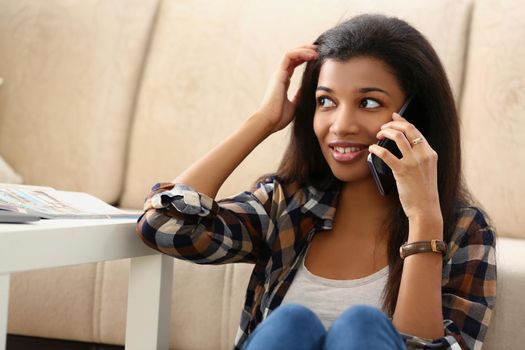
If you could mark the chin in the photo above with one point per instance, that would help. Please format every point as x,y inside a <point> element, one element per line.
<point>356,173</point>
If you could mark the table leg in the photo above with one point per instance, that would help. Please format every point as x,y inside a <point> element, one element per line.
<point>149,303</point>
<point>4,306</point>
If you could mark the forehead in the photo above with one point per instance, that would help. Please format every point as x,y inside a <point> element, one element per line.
<point>357,72</point>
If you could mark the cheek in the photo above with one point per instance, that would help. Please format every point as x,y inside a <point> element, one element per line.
<point>316,127</point>
<point>374,128</point>
<point>320,127</point>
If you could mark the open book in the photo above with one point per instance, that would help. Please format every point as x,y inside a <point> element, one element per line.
<point>48,203</point>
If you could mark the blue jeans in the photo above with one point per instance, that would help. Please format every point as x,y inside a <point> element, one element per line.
<point>293,326</point>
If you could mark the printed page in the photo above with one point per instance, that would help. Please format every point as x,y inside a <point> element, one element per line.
<point>86,203</point>
<point>49,203</point>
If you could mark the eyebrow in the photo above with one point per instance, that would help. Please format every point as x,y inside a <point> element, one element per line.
<point>362,90</point>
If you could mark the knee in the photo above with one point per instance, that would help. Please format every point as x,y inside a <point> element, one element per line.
<point>289,326</point>
<point>361,317</point>
<point>296,321</point>
<point>294,314</point>
<point>364,312</point>
<point>363,327</point>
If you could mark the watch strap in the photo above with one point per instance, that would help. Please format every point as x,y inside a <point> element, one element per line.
<point>432,246</point>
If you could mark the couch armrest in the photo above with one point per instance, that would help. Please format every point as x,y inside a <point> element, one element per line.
<point>505,331</point>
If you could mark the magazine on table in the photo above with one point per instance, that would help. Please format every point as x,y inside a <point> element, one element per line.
<point>48,203</point>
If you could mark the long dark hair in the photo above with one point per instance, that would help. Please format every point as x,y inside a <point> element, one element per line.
<point>421,75</point>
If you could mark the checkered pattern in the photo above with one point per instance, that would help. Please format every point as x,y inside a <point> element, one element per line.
<point>272,227</point>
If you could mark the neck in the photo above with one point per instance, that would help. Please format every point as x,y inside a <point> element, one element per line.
<point>362,209</point>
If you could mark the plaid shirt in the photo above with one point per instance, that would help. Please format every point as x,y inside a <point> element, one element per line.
<point>272,228</point>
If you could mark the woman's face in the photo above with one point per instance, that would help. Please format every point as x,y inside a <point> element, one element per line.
<point>354,98</point>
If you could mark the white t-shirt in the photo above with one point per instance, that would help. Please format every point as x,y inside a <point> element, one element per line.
<point>329,298</point>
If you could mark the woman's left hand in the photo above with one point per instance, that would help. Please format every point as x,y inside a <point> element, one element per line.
<point>415,173</point>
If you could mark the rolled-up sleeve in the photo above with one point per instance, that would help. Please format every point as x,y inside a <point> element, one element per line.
<point>468,286</point>
<point>189,225</point>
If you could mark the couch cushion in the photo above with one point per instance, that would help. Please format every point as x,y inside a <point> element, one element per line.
<point>493,112</point>
<point>7,174</point>
<point>54,303</point>
<point>206,298</point>
<point>71,71</point>
<point>209,65</point>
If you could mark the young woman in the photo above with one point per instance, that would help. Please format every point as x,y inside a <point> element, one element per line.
<point>325,243</point>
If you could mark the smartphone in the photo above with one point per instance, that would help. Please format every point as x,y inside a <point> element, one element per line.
<point>382,174</point>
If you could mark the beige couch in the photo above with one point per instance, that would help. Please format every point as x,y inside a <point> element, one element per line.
<point>111,96</point>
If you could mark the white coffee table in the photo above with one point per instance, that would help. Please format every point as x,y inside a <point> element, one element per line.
<point>53,243</point>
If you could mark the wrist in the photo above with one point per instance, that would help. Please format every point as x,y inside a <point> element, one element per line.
<point>259,124</point>
<point>262,123</point>
<point>431,246</point>
<point>425,228</point>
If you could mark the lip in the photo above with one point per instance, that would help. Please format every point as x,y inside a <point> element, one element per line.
<point>350,156</point>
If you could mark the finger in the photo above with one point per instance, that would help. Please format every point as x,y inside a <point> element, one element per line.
<point>413,153</point>
<point>399,138</point>
<point>406,128</point>
<point>399,123</point>
<point>391,160</point>
<point>310,46</point>
<point>296,97</point>
<point>398,116</point>
<point>302,50</point>
<point>300,54</point>
<point>296,57</point>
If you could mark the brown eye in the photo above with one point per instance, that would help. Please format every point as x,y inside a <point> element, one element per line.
<point>325,102</point>
<point>369,103</point>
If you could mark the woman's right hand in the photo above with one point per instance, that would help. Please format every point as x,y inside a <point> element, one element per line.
<point>276,108</point>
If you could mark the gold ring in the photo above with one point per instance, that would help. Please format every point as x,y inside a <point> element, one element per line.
<point>417,140</point>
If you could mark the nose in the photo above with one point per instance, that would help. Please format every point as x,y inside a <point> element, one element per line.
<point>345,122</point>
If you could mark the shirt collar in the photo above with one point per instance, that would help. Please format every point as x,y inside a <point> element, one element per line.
<point>320,204</point>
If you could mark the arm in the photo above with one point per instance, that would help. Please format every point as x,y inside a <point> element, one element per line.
<point>223,159</point>
<point>182,218</point>
<point>469,280</point>
<point>186,224</point>
<point>468,292</point>
<point>459,295</point>
<point>423,306</point>
<point>418,309</point>
<point>275,113</point>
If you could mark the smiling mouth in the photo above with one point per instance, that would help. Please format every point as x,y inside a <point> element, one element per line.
<point>345,150</point>
<point>345,154</point>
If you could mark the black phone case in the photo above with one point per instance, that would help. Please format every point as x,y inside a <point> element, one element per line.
<point>381,172</point>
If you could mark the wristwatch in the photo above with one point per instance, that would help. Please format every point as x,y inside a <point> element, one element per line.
<point>433,246</point>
